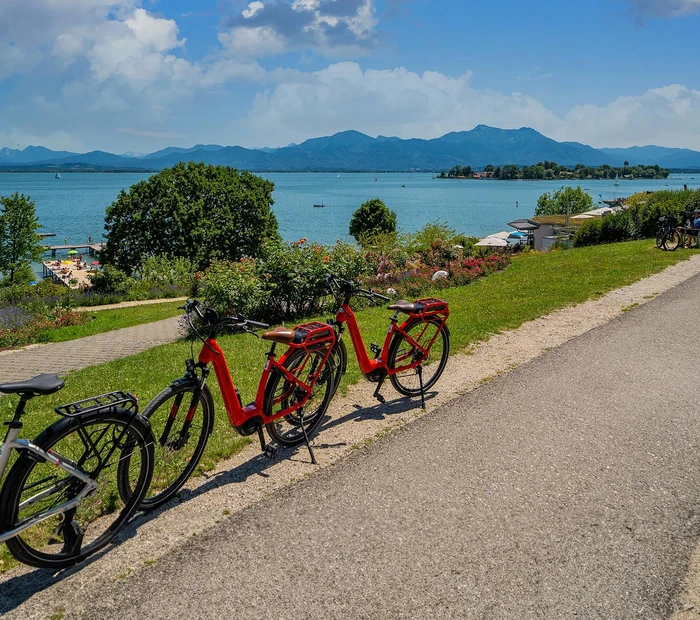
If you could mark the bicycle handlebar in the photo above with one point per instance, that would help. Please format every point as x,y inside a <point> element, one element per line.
<point>349,288</point>
<point>210,317</point>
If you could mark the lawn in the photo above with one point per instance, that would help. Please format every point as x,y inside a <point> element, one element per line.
<point>534,285</point>
<point>108,320</point>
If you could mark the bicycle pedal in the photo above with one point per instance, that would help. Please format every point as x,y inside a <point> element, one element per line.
<point>270,451</point>
<point>380,398</point>
<point>376,349</point>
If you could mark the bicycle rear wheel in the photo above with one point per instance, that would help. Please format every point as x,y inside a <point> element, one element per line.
<point>95,445</point>
<point>672,239</point>
<point>281,393</point>
<point>401,353</point>
<point>179,444</point>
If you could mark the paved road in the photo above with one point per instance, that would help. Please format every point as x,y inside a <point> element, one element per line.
<point>62,357</point>
<point>568,488</point>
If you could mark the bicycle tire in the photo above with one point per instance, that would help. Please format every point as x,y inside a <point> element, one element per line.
<point>339,362</point>
<point>396,353</point>
<point>284,395</point>
<point>672,240</point>
<point>29,474</point>
<point>173,467</point>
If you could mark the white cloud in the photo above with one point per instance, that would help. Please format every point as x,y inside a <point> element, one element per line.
<point>666,8</point>
<point>389,102</point>
<point>330,27</point>
<point>667,116</point>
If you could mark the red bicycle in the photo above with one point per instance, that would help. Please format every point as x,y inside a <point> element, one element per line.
<point>292,398</point>
<point>415,352</point>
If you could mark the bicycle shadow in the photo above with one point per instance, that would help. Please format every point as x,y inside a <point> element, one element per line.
<point>20,588</point>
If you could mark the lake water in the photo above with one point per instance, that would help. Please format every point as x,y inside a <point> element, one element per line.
<point>74,206</point>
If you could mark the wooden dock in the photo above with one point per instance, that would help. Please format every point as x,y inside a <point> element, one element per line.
<point>67,272</point>
<point>91,248</point>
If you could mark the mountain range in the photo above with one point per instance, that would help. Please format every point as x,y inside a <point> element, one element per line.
<point>354,151</point>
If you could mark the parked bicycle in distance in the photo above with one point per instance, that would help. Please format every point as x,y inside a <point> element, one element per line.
<point>666,225</point>
<point>292,397</point>
<point>419,345</point>
<point>60,501</point>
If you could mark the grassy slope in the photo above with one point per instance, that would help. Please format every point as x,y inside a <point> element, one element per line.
<point>534,285</point>
<point>108,320</point>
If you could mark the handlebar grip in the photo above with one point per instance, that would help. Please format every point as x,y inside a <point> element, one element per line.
<point>382,297</point>
<point>257,324</point>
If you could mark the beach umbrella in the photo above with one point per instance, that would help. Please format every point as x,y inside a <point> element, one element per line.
<point>493,242</point>
<point>72,252</point>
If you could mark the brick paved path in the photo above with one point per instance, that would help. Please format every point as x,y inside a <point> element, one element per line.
<point>62,357</point>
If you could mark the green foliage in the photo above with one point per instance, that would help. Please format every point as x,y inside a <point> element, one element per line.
<point>234,287</point>
<point>371,219</point>
<point>23,276</point>
<point>589,233</point>
<point>162,270</point>
<point>431,233</point>
<point>109,279</point>
<point>565,200</point>
<point>193,211</point>
<point>19,243</point>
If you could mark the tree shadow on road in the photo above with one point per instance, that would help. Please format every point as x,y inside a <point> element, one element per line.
<point>18,589</point>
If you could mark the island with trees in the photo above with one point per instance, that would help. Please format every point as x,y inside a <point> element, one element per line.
<point>549,170</point>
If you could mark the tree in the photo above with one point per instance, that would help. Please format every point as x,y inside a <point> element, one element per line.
<point>194,211</point>
<point>488,168</point>
<point>567,200</point>
<point>19,243</point>
<point>371,219</point>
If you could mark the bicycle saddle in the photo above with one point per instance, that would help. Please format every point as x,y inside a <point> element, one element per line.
<point>280,334</point>
<point>41,385</point>
<point>403,306</point>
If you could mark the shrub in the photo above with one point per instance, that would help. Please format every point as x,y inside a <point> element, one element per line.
<point>234,288</point>
<point>373,218</point>
<point>565,200</point>
<point>588,233</point>
<point>109,279</point>
<point>166,271</point>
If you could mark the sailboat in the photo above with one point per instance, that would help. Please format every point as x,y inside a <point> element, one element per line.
<point>338,175</point>
<point>58,175</point>
<point>617,179</point>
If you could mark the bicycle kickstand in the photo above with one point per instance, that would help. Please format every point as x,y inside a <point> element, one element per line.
<point>269,451</point>
<point>420,380</point>
<point>306,438</point>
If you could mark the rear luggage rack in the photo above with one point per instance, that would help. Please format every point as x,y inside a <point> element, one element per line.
<point>311,332</point>
<point>430,305</point>
<point>97,403</point>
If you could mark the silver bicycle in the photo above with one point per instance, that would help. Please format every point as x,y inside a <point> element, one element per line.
<point>60,500</point>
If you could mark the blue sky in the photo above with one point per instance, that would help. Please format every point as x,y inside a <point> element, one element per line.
<point>139,75</point>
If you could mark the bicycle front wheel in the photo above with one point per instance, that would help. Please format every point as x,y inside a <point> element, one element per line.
<point>402,353</point>
<point>181,428</point>
<point>281,393</point>
<point>672,239</point>
<point>95,446</point>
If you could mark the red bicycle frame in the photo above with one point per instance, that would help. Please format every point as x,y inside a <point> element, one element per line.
<point>371,366</point>
<point>247,420</point>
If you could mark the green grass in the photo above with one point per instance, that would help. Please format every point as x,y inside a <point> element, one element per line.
<point>534,285</point>
<point>108,320</point>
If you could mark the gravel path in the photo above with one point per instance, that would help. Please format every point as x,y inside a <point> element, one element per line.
<point>356,419</point>
<point>62,357</point>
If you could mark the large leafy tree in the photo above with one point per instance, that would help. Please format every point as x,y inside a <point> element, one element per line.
<point>567,200</point>
<point>19,242</point>
<point>194,211</point>
<point>371,219</point>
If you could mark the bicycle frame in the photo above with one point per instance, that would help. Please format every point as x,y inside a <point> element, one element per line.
<point>12,442</point>
<point>247,419</point>
<point>370,367</point>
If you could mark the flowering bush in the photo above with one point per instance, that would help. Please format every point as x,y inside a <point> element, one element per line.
<point>18,328</point>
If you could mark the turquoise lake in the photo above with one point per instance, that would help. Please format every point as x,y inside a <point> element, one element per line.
<point>74,206</point>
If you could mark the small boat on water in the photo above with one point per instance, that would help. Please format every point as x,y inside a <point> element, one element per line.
<point>617,179</point>
<point>403,186</point>
<point>375,178</point>
<point>58,175</point>
<point>320,206</point>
